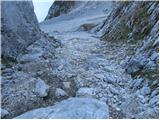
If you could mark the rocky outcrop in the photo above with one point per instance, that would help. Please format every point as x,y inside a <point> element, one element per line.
<point>19,27</point>
<point>72,108</point>
<point>59,8</point>
<point>136,25</point>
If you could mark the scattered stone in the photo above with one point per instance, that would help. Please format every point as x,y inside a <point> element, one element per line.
<point>145,90</point>
<point>70,75</point>
<point>60,93</point>
<point>60,67</point>
<point>155,82</point>
<point>133,66</point>
<point>100,76</point>
<point>86,92</point>
<point>86,27</point>
<point>8,70</point>
<point>154,56</point>
<point>3,66</point>
<point>151,65</point>
<point>41,88</point>
<point>154,93</point>
<point>67,85</point>
<point>114,91</point>
<point>138,83</point>
<point>154,100</point>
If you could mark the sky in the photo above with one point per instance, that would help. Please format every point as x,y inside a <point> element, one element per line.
<point>41,8</point>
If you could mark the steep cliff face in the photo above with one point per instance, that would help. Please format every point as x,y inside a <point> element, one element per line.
<point>25,51</point>
<point>19,27</point>
<point>130,21</point>
<point>59,8</point>
<point>136,25</point>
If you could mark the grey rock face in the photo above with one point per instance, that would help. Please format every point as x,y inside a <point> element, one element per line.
<point>136,25</point>
<point>72,108</point>
<point>130,22</point>
<point>24,82</point>
<point>59,8</point>
<point>19,27</point>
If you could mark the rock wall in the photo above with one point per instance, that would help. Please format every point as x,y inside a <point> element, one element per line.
<point>136,25</point>
<point>19,27</point>
<point>130,21</point>
<point>59,7</point>
<point>27,78</point>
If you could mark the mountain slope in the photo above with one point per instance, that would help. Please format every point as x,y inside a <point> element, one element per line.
<point>98,59</point>
<point>86,12</point>
<point>136,25</point>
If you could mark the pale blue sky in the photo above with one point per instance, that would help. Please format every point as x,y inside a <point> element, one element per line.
<point>41,8</point>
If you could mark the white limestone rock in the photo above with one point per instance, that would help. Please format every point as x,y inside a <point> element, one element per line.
<point>86,92</point>
<point>20,27</point>
<point>60,93</point>
<point>67,85</point>
<point>72,108</point>
<point>41,88</point>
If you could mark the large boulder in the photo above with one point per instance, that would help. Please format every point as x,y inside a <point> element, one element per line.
<point>72,108</point>
<point>19,27</point>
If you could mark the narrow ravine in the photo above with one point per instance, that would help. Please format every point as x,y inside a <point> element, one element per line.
<point>87,59</point>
